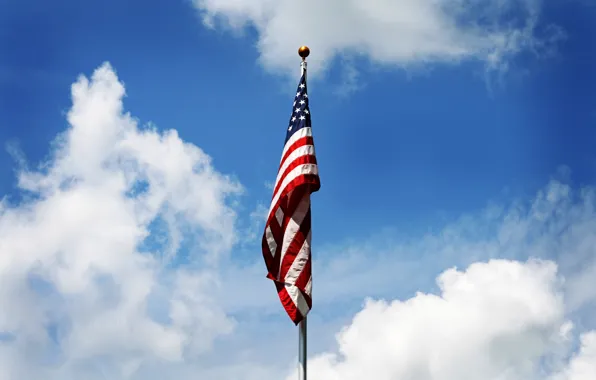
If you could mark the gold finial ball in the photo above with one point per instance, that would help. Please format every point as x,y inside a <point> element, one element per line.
<point>304,51</point>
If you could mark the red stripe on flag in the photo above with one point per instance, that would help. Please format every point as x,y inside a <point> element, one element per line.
<point>307,140</point>
<point>288,303</point>
<point>295,246</point>
<point>313,182</point>
<point>305,275</point>
<point>302,160</point>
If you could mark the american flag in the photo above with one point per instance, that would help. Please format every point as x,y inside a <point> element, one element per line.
<point>287,237</point>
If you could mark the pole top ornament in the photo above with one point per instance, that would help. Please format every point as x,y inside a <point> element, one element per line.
<point>303,52</point>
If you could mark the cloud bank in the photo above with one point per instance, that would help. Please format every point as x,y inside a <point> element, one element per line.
<point>399,33</point>
<point>109,269</point>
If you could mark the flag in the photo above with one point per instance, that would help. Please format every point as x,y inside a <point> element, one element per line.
<point>287,236</point>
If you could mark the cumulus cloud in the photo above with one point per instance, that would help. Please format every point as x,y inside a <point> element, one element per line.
<point>402,33</point>
<point>495,320</point>
<point>582,365</point>
<point>82,274</point>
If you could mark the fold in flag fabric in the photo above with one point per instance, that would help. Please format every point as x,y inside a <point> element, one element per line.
<point>287,236</point>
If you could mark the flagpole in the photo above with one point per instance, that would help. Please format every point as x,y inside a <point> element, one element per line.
<point>302,350</point>
<point>303,52</point>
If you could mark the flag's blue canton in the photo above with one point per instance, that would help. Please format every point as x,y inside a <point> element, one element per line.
<point>300,112</point>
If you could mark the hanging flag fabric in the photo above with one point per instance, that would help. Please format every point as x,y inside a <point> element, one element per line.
<point>287,236</point>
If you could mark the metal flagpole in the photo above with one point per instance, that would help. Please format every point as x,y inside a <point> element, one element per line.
<point>302,350</point>
<point>304,51</point>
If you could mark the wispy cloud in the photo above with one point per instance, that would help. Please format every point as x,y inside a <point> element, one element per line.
<point>406,34</point>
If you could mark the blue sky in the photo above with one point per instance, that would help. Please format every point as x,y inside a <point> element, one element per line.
<point>447,135</point>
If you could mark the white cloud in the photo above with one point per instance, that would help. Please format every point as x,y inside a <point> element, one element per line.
<point>403,33</point>
<point>75,283</point>
<point>496,320</point>
<point>582,365</point>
